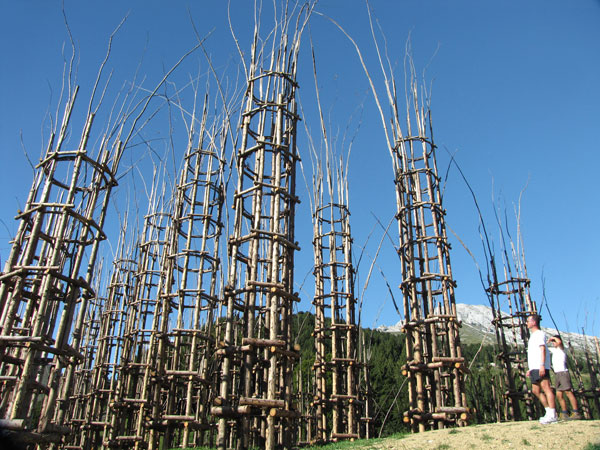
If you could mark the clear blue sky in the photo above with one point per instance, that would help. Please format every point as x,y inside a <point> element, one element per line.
<point>516,98</point>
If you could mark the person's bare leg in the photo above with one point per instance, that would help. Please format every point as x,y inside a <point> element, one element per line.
<point>561,399</point>
<point>545,384</point>
<point>572,399</point>
<point>535,388</point>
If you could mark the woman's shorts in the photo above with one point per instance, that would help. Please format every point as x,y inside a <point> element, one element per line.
<point>563,381</point>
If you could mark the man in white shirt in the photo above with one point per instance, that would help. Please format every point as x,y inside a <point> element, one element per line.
<point>538,361</point>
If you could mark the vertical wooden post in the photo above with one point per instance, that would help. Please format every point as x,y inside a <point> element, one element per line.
<point>512,294</point>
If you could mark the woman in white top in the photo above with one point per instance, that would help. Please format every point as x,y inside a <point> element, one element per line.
<point>562,379</point>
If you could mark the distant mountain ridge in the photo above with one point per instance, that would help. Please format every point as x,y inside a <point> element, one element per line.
<point>477,325</point>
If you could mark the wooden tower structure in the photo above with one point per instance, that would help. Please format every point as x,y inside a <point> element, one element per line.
<point>511,303</point>
<point>435,366</point>
<point>257,353</point>
<point>167,370</point>
<point>47,281</point>
<point>130,409</point>
<point>338,403</point>
<point>190,293</point>
<point>511,332</point>
<point>111,339</point>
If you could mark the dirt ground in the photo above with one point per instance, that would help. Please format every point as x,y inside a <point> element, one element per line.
<point>571,435</point>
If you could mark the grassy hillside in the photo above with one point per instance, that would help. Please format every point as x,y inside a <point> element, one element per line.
<point>575,435</point>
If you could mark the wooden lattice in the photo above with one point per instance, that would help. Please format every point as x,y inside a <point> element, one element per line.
<point>133,401</point>
<point>257,352</point>
<point>47,282</point>
<point>435,366</point>
<point>167,369</point>
<point>337,369</point>
<point>511,332</point>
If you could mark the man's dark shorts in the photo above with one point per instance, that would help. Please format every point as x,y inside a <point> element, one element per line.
<point>563,381</point>
<point>534,375</point>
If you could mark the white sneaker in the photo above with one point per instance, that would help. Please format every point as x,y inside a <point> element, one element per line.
<point>547,420</point>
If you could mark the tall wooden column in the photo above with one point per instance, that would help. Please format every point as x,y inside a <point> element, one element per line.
<point>511,331</point>
<point>257,352</point>
<point>132,405</point>
<point>192,270</point>
<point>435,365</point>
<point>336,367</point>
<point>47,282</point>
